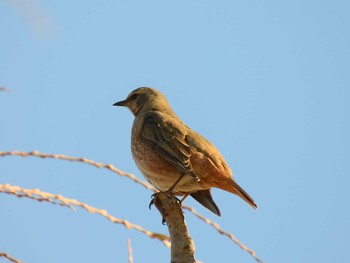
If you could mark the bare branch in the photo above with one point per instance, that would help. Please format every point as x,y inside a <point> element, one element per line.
<point>10,258</point>
<point>36,194</point>
<point>130,251</point>
<point>37,198</point>
<point>136,180</point>
<point>182,246</point>
<point>222,232</point>
<point>82,160</point>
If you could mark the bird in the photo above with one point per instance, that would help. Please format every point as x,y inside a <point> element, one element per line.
<point>174,158</point>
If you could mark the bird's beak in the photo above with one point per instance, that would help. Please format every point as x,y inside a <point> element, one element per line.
<point>121,103</point>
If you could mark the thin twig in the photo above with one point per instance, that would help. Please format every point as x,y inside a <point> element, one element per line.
<point>130,251</point>
<point>12,259</point>
<point>37,198</point>
<point>82,160</point>
<point>222,232</point>
<point>48,197</point>
<point>136,180</point>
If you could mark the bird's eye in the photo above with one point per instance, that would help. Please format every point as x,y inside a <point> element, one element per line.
<point>134,96</point>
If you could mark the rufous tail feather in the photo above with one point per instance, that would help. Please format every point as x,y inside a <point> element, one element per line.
<point>234,188</point>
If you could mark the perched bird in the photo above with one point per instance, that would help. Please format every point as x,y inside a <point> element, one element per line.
<point>171,156</point>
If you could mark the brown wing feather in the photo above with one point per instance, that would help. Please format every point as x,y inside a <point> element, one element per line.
<point>213,169</point>
<point>169,141</point>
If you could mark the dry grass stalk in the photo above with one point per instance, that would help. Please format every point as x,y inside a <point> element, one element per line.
<point>10,258</point>
<point>82,160</point>
<point>37,194</point>
<point>131,260</point>
<point>136,180</point>
<point>222,232</point>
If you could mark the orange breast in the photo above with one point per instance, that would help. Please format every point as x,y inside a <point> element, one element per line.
<point>156,170</point>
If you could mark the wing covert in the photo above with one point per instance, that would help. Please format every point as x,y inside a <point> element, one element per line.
<point>169,141</point>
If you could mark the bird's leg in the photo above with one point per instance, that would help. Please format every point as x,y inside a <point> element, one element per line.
<point>184,197</point>
<point>169,192</point>
<point>153,196</point>
<point>171,189</point>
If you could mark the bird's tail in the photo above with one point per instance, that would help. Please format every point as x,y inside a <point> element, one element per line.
<point>234,188</point>
<point>204,197</point>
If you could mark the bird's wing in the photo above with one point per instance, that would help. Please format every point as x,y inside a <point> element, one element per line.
<point>168,137</point>
<point>206,156</point>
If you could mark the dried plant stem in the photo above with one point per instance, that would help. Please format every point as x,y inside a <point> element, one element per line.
<point>222,232</point>
<point>37,194</point>
<point>10,258</point>
<point>136,180</point>
<point>82,160</point>
<point>130,251</point>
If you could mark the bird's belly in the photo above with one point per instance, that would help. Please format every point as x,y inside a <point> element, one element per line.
<point>161,174</point>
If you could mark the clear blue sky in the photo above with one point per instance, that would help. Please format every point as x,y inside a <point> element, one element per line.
<point>266,81</point>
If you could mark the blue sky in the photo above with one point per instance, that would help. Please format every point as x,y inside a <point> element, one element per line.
<point>266,81</point>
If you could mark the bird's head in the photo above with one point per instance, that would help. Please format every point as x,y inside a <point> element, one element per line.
<point>145,99</point>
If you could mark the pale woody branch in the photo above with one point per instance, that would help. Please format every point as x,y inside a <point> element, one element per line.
<point>222,232</point>
<point>136,180</point>
<point>10,258</point>
<point>182,246</point>
<point>130,251</point>
<point>39,195</point>
<point>82,160</point>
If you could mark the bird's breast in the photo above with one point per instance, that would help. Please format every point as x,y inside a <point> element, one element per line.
<point>156,170</point>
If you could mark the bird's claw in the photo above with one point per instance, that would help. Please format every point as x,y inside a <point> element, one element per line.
<point>169,194</point>
<point>152,201</point>
<point>153,196</point>
<point>163,221</point>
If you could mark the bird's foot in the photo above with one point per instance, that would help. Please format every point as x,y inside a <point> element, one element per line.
<point>154,196</point>
<point>152,200</point>
<point>169,195</point>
